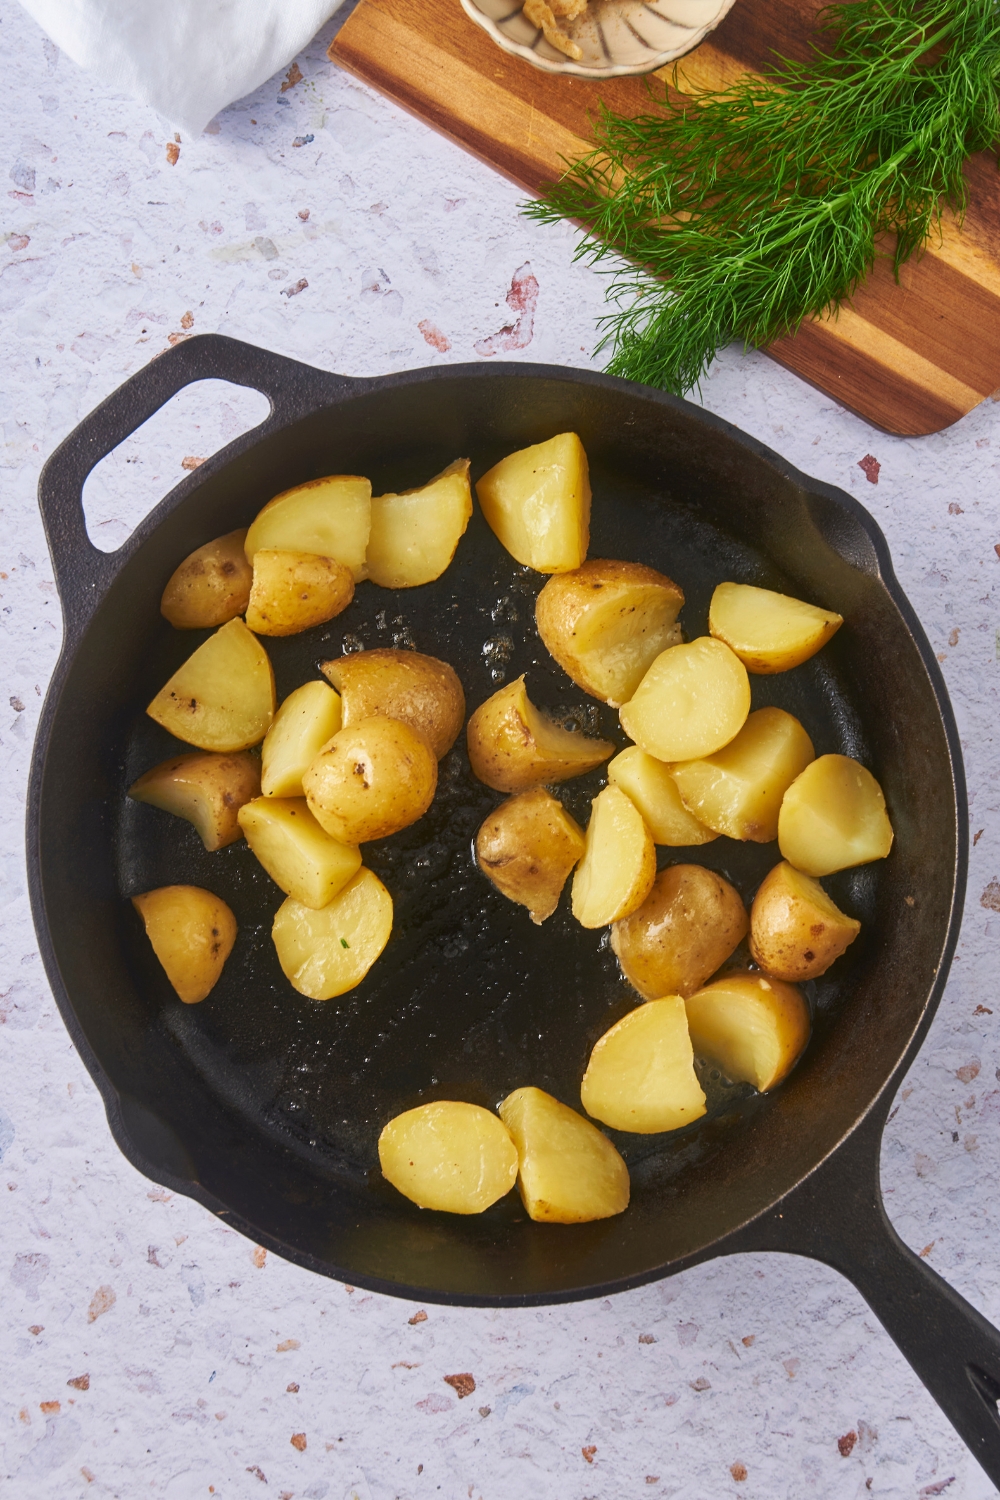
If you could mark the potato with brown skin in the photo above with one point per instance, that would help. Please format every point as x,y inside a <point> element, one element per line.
<point>537,501</point>
<point>418,690</point>
<point>686,928</point>
<point>222,697</point>
<point>513,745</point>
<point>205,789</point>
<point>211,586</point>
<point>330,516</point>
<point>415,533</point>
<point>752,1026</point>
<point>527,848</point>
<point>294,591</point>
<point>192,932</point>
<point>372,779</point>
<point>769,632</point>
<point>796,931</point>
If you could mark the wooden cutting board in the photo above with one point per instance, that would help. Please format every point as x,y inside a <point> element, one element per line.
<point>910,357</point>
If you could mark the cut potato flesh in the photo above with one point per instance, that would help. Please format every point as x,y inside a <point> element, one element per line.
<point>693,700</point>
<point>373,778</point>
<point>688,925</point>
<point>753,1027</point>
<point>512,745</point>
<point>738,790</point>
<point>568,1171</point>
<point>415,533</point>
<point>222,698</point>
<point>454,1157</point>
<point>649,784</point>
<point>769,632</point>
<point>796,931</point>
<point>331,517</point>
<point>641,1073</point>
<point>211,586</point>
<point>619,862</point>
<point>833,816</point>
<point>327,952</point>
<point>306,720</point>
<point>527,847</point>
<point>192,933</point>
<point>537,501</point>
<point>294,591</point>
<point>205,789</point>
<point>296,852</point>
<point>419,690</point>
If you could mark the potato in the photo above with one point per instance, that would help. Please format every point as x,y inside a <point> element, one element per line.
<point>796,931</point>
<point>513,745</point>
<point>211,586</point>
<point>207,790</point>
<point>222,698</point>
<point>738,790</point>
<point>752,1027</point>
<point>296,852</point>
<point>331,517</point>
<point>327,952</point>
<point>418,690</point>
<point>607,622</point>
<point>693,700</point>
<point>649,784</point>
<point>619,861</point>
<point>833,816</point>
<point>415,533</point>
<point>305,721</point>
<point>769,632</point>
<point>372,779</point>
<point>686,928</point>
<point>450,1156</point>
<point>568,1170</point>
<point>293,591</point>
<point>641,1073</point>
<point>527,847</point>
<point>538,502</point>
<point>192,933</point>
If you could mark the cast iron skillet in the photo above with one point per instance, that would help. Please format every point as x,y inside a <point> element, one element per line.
<point>266,1107</point>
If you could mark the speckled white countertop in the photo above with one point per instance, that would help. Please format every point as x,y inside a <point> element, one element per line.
<point>147,1349</point>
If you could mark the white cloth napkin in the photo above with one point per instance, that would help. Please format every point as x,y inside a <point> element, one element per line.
<point>187,58</point>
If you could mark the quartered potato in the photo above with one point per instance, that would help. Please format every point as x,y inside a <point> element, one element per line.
<point>305,721</point>
<point>619,861</point>
<point>418,690</point>
<point>293,591</point>
<point>641,1073</point>
<point>451,1156</point>
<point>753,1027</point>
<point>693,700</point>
<point>192,933</point>
<point>222,698</point>
<point>833,816</point>
<point>796,931</point>
<point>372,779</point>
<point>738,790</point>
<point>206,789</point>
<point>769,632</point>
<point>649,784</point>
<point>296,852</point>
<point>211,586</point>
<point>331,517</point>
<point>568,1170</point>
<point>607,622</point>
<point>415,533</point>
<point>513,745</point>
<point>527,847</point>
<point>327,952</point>
<point>686,928</point>
<point>538,502</point>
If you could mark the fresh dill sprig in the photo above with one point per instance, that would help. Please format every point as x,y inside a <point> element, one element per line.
<point>743,211</point>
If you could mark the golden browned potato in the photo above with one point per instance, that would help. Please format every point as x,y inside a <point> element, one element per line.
<point>222,698</point>
<point>419,690</point>
<point>568,1170</point>
<point>305,721</point>
<point>513,745</point>
<point>751,1026</point>
<point>619,861</point>
<point>373,778</point>
<point>833,816</point>
<point>538,502</point>
<point>293,591</point>
<point>769,632</point>
<point>415,533</point>
<point>454,1157</point>
<point>296,852</point>
<point>192,933</point>
<point>607,622</point>
<point>693,700</point>
<point>211,586</point>
<point>686,928</point>
<point>738,790</point>
<point>649,784</point>
<point>641,1073</point>
<point>207,790</point>
<point>796,931</point>
<point>331,517</point>
<point>328,951</point>
<point>527,847</point>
